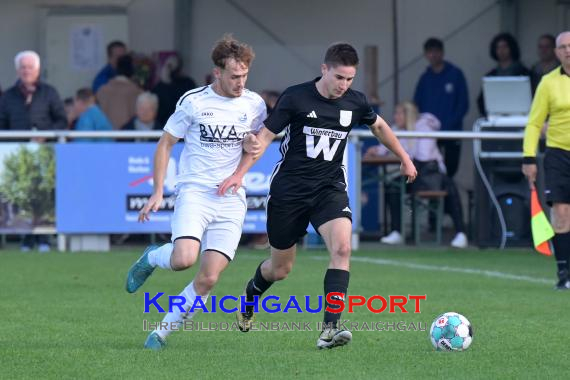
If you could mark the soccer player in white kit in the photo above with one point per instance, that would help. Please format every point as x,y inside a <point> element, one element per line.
<point>213,121</point>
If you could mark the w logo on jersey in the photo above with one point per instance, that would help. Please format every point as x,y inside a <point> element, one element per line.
<point>323,145</point>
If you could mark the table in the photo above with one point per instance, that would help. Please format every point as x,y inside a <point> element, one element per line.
<point>382,162</point>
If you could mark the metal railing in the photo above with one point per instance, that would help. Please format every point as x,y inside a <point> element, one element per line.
<point>65,135</point>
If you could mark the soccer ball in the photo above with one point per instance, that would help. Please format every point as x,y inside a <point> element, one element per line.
<point>451,332</point>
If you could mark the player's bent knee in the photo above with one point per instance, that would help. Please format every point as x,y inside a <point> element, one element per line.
<point>560,219</point>
<point>207,281</point>
<point>342,251</point>
<point>182,261</point>
<point>561,227</point>
<point>281,272</point>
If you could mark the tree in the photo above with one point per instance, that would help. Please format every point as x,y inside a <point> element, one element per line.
<point>28,181</point>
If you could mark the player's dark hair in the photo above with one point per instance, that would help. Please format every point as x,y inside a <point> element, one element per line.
<point>84,94</point>
<point>510,40</point>
<point>341,54</point>
<point>227,48</point>
<point>433,44</point>
<point>114,44</point>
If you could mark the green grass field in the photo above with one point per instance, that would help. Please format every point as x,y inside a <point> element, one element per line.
<point>68,316</point>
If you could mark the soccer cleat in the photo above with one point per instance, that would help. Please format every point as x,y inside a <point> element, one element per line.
<point>333,338</point>
<point>140,271</point>
<point>246,319</point>
<point>154,342</point>
<point>563,280</point>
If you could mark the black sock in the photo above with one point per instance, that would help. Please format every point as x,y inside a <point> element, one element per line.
<point>561,243</point>
<point>336,280</point>
<point>256,286</point>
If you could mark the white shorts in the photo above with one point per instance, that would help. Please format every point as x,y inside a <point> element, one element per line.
<point>216,221</point>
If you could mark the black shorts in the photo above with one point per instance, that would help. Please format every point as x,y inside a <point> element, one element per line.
<point>287,221</point>
<point>557,175</point>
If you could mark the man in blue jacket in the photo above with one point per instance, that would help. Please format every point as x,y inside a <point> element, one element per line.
<point>442,91</point>
<point>115,50</point>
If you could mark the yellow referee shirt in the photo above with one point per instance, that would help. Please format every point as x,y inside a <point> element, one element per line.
<point>552,99</point>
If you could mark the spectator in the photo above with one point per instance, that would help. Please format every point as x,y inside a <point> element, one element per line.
<point>115,50</point>
<point>118,97</point>
<point>442,91</point>
<point>431,172</point>
<point>504,49</point>
<point>29,105</point>
<point>547,60</point>
<point>171,86</point>
<point>90,116</point>
<point>145,118</point>
<point>69,106</point>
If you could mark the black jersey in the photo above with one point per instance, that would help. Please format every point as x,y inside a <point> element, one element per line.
<point>316,131</point>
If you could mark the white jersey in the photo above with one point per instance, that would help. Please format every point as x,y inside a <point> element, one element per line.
<point>213,128</point>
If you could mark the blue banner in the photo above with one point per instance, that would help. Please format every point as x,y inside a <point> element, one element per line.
<point>100,187</point>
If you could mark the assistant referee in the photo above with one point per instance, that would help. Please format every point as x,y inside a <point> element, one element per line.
<point>552,100</point>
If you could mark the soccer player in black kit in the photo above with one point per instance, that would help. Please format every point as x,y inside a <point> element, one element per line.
<point>309,184</point>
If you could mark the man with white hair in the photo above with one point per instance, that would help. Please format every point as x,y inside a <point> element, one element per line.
<point>146,109</point>
<point>551,100</point>
<point>31,104</point>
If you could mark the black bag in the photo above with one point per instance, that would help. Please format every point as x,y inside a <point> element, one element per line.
<point>429,177</point>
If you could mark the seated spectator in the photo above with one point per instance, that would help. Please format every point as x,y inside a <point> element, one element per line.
<point>431,172</point>
<point>118,97</point>
<point>115,50</point>
<point>69,106</point>
<point>504,49</point>
<point>90,117</point>
<point>171,86</point>
<point>145,117</point>
<point>547,60</point>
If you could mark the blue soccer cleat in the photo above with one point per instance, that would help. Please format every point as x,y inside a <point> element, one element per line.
<point>154,342</point>
<point>140,271</point>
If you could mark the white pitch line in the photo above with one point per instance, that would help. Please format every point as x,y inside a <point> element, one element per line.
<point>411,265</point>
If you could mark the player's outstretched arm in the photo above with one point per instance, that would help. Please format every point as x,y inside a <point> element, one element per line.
<point>260,141</point>
<point>161,157</point>
<point>384,133</point>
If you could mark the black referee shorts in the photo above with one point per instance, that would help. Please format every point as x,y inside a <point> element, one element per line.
<point>557,175</point>
<point>287,221</point>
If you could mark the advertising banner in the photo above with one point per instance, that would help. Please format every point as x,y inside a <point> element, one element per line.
<point>100,187</point>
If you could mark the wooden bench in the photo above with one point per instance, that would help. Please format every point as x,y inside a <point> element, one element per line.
<point>430,201</point>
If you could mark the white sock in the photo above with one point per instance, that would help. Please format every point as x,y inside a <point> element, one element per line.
<point>160,257</point>
<point>189,294</point>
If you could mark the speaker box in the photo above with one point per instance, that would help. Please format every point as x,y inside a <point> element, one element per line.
<point>511,189</point>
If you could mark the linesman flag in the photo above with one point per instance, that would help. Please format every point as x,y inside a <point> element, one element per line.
<point>542,231</point>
